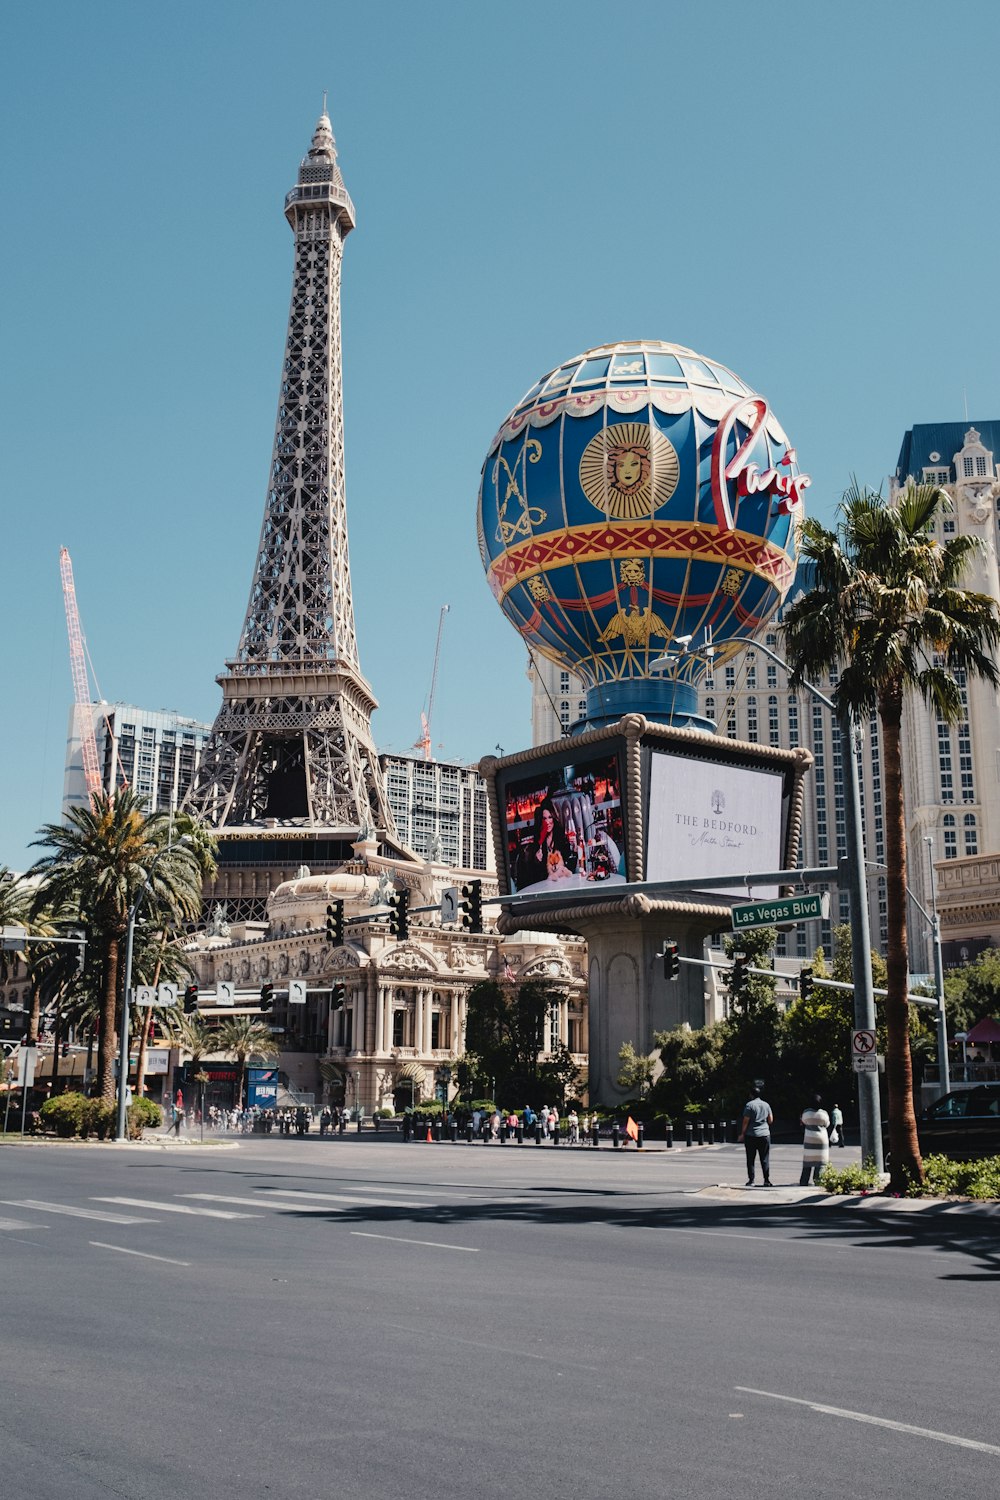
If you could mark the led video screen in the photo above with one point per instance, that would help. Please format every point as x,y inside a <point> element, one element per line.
<point>564,826</point>
<point>707,818</point>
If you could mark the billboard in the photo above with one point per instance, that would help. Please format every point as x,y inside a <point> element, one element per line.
<point>563,823</point>
<point>709,818</point>
<point>262,1088</point>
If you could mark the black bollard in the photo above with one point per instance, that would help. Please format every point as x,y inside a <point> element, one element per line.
<point>595,1134</point>
<point>722,1132</point>
<point>453,1127</point>
<point>538,1134</point>
<point>555,1134</point>
<point>406,1127</point>
<point>519,1132</point>
<point>670,1134</point>
<point>615,1136</point>
<point>710,1133</point>
<point>701,1133</point>
<point>469,1133</point>
<point>437,1130</point>
<point>640,1138</point>
<point>688,1133</point>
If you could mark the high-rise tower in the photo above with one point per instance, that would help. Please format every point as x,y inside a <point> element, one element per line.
<point>291,761</point>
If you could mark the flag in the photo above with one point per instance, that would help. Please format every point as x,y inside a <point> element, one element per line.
<point>631,1128</point>
<point>508,972</point>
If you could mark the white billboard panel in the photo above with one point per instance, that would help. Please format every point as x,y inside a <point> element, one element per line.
<point>710,819</point>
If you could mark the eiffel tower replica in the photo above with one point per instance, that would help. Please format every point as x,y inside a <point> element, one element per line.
<point>291,774</point>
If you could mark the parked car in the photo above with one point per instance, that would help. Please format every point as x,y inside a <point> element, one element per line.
<point>963,1124</point>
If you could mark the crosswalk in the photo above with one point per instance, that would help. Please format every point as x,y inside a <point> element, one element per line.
<point>224,1206</point>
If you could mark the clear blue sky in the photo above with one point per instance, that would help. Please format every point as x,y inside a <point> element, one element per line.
<point>805,192</point>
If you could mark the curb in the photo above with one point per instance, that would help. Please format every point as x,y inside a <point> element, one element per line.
<point>870,1203</point>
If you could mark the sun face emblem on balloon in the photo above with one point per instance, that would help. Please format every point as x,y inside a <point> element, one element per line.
<point>629,470</point>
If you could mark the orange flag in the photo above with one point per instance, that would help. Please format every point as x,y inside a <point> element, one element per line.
<point>631,1128</point>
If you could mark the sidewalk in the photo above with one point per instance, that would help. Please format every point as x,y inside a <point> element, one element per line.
<point>871,1203</point>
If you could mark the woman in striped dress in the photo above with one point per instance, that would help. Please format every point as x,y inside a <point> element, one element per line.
<point>816,1145</point>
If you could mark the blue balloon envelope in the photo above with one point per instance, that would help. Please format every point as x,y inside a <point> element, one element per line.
<point>637,517</point>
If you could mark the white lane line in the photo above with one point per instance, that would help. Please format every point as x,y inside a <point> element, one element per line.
<point>428,1244</point>
<point>719,1234</point>
<point>99,1245</point>
<point>299,1193</point>
<point>76,1213</point>
<point>246,1202</point>
<point>177,1208</point>
<point>20,1224</point>
<point>861,1416</point>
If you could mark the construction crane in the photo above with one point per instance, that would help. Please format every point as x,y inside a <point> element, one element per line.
<point>424,742</point>
<point>81,688</point>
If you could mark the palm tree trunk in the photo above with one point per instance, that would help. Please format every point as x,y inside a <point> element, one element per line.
<point>905,1166</point>
<point>109,1017</point>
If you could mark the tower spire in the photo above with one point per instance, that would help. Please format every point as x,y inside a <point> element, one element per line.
<point>292,745</point>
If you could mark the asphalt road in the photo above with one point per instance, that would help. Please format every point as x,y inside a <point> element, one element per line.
<point>361,1318</point>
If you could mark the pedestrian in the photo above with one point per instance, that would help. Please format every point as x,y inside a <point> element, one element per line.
<point>755,1132</point>
<point>178,1120</point>
<point>573,1121</point>
<point>816,1142</point>
<point>836,1126</point>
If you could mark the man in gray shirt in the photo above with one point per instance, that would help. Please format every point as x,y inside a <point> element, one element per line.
<point>755,1132</point>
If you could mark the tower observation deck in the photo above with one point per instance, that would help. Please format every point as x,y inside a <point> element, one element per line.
<point>291,772</point>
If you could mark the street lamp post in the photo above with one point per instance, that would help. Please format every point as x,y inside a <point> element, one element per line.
<point>854,865</point>
<point>121,1132</point>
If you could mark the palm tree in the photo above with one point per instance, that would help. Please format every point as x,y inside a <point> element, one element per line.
<point>15,905</point>
<point>101,859</point>
<point>889,612</point>
<point>245,1037</point>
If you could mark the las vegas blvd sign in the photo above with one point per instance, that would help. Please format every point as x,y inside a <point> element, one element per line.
<point>785,909</point>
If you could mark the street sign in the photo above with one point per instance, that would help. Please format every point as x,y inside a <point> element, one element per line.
<point>225,993</point>
<point>26,1059</point>
<point>449,904</point>
<point>145,994</point>
<point>296,992</point>
<point>864,1057</point>
<point>166,994</point>
<point>13,939</point>
<point>784,909</point>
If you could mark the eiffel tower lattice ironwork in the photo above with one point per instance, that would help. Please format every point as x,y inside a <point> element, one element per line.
<point>292,745</point>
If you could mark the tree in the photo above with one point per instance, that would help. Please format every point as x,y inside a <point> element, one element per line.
<point>888,612</point>
<point>637,1068</point>
<point>503,1032</point>
<point>243,1038</point>
<point>99,861</point>
<point>15,907</point>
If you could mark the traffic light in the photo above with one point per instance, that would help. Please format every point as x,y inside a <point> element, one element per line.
<point>738,978</point>
<point>671,963</point>
<point>267,997</point>
<point>338,997</point>
<point>471,906</point>
<point>64,1050</point>
<point>399,913</point>
<point>190,999</point>
<point>335,924</point>
<point>805,983</point>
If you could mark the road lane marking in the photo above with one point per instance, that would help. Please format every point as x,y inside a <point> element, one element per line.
<point>428,1244</point>
<point>247,1202</point>
<point>99,1245</point>
<point>296,1193</point>
<point>76,1213</point>
<point>20,1224</point>
<point>719,1234</point>
<point>861,1416</point>
<point>177,1208</point>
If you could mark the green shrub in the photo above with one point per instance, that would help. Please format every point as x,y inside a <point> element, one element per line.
<point>64,1114</point>
<point>143,1112</point>
<point>855,1178</point>
<point>385,1114</point>
<point>966,1179</point>
<point>99,1118</point>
